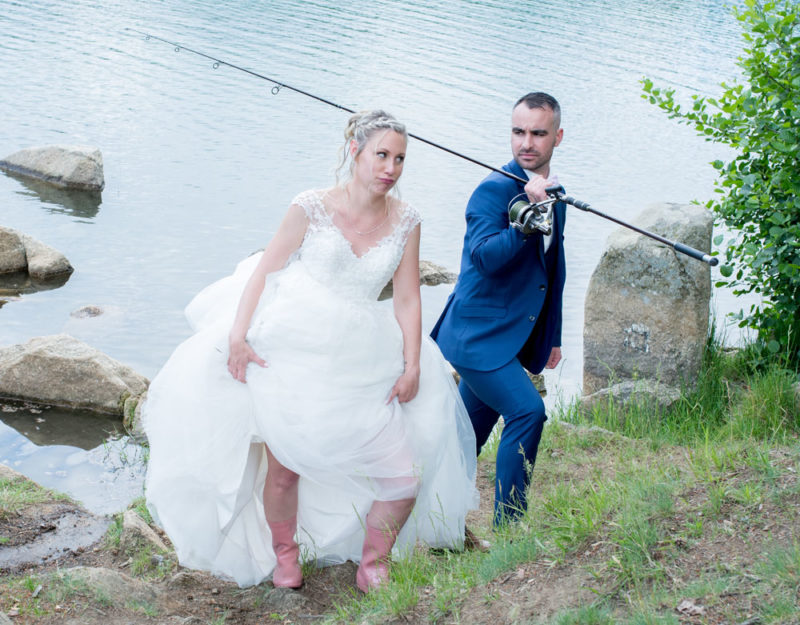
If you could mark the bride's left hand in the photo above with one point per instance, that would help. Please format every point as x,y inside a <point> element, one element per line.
<point>241,355</point>
<point>406,387</point>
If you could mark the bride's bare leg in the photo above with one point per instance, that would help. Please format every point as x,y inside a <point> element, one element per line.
<point>280,509</point>
<point>280,490</point>
<point>384,521</point>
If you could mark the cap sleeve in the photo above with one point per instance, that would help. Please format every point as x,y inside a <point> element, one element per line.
<point>410,220</point>
<point>311,202</point>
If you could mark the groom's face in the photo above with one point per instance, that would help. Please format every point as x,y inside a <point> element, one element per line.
<point>534,135</point>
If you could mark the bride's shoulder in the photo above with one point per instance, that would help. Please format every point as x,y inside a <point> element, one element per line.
<point>313,202</point>
<point>308,197</point>
<point>409,215</point>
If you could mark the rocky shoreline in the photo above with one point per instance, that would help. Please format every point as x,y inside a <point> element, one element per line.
<point>62,564</point>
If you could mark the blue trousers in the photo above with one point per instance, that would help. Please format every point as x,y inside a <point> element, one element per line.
<point>506,391</point>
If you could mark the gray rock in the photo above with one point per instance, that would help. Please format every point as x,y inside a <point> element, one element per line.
<point>105,586</point>
<point>93,324</point>
<point>44,262</point>
<point>647,306</point>
<point>284,600</point>
<point>85,312</point>
<point>645,393</point>
<point>12,251</point>
<point>73,167</point>
<point>431,274</point>
<point>538,381</point>
<point>20,252</point>
<point>185,579</point>
<point>338,576</point>
<point>584,430</point>
<point>132,417</point>
<point>63,371</point>
<point>137,535</point>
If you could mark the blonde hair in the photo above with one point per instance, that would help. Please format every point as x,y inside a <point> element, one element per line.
<point>360,128</point>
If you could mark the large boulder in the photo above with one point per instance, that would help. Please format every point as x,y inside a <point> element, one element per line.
<point>20,252</point>
<point>63,371</point>
<point>72,167</point>
<point>647,306</point>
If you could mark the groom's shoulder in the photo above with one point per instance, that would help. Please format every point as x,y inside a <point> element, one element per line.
<point>499,181</point>
<point>494,187</point>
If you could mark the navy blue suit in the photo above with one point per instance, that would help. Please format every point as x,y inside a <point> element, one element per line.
<point>504,314</point>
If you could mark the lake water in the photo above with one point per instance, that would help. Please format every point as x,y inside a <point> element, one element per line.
<point>200,163</point>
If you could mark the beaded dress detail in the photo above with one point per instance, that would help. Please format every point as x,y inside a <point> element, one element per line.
<point>334,353</point>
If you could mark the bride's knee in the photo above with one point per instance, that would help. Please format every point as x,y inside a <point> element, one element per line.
<point>282,479</point>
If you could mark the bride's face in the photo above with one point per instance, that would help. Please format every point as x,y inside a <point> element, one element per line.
<point>380,163</point>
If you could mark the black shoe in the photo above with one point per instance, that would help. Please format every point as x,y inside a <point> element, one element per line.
<point>473,543</point>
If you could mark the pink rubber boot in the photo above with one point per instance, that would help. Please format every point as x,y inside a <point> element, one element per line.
<point>287,573</point>
<point>384,522</point>
<point>373,571</point>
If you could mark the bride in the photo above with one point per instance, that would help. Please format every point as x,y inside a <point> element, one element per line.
<point>312,422</point>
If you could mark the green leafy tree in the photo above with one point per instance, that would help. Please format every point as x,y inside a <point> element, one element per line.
<point>758,191</point>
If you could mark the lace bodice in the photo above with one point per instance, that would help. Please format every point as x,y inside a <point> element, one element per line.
<point>329,257</point>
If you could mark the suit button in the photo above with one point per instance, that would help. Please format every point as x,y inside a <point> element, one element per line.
<point>532,318</point>
<point>542,287</point>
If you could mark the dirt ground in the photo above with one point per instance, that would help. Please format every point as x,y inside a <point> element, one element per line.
<point>97,585</point>
<point>58,537</point>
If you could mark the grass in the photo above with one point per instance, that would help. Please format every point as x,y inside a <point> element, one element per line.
<point>147,608</point>
<point>146,560</point>
<point>40,595</point>
<point>17,493</point>
<point>625,496</point>
<point>631,515</point>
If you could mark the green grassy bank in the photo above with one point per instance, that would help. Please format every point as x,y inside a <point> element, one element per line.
<point>636,516</point>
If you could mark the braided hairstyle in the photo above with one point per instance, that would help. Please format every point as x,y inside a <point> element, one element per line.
<point>360,128</point>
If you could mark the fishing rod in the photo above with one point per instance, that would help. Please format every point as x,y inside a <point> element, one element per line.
<point>529,216</point>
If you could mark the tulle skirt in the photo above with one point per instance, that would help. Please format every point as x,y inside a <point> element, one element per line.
<point>320,406</point>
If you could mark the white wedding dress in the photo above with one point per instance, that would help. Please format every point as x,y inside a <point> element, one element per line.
<point>334,352</point>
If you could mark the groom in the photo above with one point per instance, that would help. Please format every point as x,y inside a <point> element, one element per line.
<point>504,315</point>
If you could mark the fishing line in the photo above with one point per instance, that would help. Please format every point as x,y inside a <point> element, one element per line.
<point>279,85</point>
<point>554,194</point>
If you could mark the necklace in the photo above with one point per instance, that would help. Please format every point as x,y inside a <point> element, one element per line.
<point>371,230</point>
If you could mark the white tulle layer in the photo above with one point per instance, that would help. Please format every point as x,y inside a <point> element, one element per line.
<point>321,407</point>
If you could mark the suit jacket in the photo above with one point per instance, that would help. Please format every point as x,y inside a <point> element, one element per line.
<point>507,300</point>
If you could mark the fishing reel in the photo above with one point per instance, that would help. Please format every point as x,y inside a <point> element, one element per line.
<point>530,217</point>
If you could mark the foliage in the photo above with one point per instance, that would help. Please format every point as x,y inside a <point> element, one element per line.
<point>758,190</point>
<point>733,398</point>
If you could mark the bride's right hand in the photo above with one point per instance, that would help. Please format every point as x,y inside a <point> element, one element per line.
<point>241,355</point>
